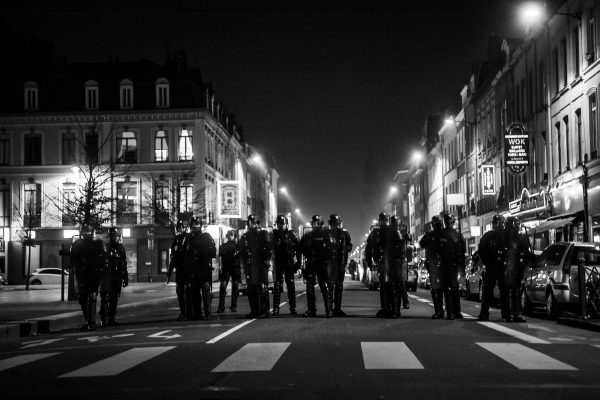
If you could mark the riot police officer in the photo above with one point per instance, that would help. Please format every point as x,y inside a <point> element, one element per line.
<point>492,250</point>
<point>395,266</point>
<point>451,266</point>
<point>434,242</point>
<point>255,253</point>
<point>374,256</point>
<point>342,244</point>
<point>230,269</point>
<point>177,262</point>
<point>288,257</point>
<point>408,255</point>
<point>114,277</point>
<point>518,255</point>
<point>317,248</point>
<point>199,250</point>
<point>88,260</point>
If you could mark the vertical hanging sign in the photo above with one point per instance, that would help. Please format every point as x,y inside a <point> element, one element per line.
<point>228,199</point>
<point>488,183</point>
<point>516,148</point>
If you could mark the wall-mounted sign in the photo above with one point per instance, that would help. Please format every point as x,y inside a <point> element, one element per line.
<point>516,148</point>
<point>229,199</point>
<point>488,180</point>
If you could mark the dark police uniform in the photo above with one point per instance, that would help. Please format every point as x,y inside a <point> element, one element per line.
<point>286,249</point>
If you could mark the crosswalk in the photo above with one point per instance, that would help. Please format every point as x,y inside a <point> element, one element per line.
<point>266,357</point>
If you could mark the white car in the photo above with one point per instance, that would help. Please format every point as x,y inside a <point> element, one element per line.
<point>47,276</point>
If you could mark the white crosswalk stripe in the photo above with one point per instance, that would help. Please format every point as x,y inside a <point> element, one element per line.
<point>389,355</point>
<point>253,357</point>
<point>24,359</point>
<point>118,363</point>
<point>525,358</point>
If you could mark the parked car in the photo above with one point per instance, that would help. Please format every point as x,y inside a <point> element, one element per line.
<point>474,275</point>
<point>47,276</point>
<point>423,275</point>
<point>552,281</point>
<point>411,283</point>
<point>3,280</point>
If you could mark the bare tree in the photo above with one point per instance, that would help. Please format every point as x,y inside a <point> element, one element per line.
<point>28,218</point>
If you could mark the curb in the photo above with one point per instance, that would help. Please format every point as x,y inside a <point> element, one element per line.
<point>580,323</point>
<point>74,319</point>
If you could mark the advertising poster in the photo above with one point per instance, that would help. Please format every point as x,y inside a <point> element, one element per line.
<point>229,201</point>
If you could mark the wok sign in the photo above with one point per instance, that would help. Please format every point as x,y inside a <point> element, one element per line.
<point>516,148</point>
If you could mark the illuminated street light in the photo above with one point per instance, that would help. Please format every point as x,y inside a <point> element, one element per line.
<point>393,190</point>
<point>283,190</point>
<point>531,13</point>
<point>417,156</point>
<point>297,211</point>
<point>449,121</point>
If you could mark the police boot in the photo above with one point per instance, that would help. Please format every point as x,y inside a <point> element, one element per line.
<point>277,289</point>
<point>455,296</point>
<point>383,300</point>
<point>234,296</point>
<point>91,312</point>
<point>515,300</point>
<point>222,294</point>
<point>450,314</point>
<point>405,295</point>
<point>326,295</point>
<point>252,294</point>
<point>103,309</point>
<point>188,300</point>
<point>84,309</point>
<point>206,300</point>
<point>311,300</point>
<point>337,308</point>
<point>291,292</point>
<point>438,304</point>
<point>396,300</point>
<point>180,290</point>
<point>266,301</point>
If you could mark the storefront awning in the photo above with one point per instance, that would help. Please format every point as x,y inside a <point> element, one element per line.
<point>553,224</point>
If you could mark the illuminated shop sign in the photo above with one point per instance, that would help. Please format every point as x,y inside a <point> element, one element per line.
<point>488,183</point>
<point>516,148</point>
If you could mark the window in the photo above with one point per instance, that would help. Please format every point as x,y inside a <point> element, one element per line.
<point>68,148</point>
<point>126,148</point>
<point>31,96</point>
<point>69,199</point>
<point>186,197</point>
<point>576,56</point>
<point>567,144</point>
<point>127,200</point>
<point>558,148</point>
<point>5,206</point>
<point>556,72</point>
<point>530,83</point>
<point>161,147</point>
<point>590,254</point>
<point>563,53</point>
<point>4,149</point>
<point>593,126</point>
<point>32,205</point>
<point>126,97</point>
<point>541,100</point>
<point>33,150</point>
<point>162,93</point>
<point>162,204</point>
<point>91,95</point>
<point>185,151</point>
<point>590,56</point>
<point>91,148</point>
<point>579,138</point>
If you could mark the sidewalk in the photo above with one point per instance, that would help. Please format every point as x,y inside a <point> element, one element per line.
<point>39,310</point>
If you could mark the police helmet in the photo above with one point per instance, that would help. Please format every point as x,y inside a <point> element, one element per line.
<point>196,222</point>
<point>112,231</point>
<point>87,230</point>
<point>253,221</point>
<point>513,223</point>
<point>498,221</point>
<point>316,220</point>
<point>179,226</point>
<point>436,222</point>
<point>383,218</point>
<point>448,219</point>
<point>281,220</point>
<point>394,220</point>
<point>335,219</point>
<point>230,235</point>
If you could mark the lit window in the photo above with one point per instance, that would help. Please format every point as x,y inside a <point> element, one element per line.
<point>162,202</point>
<point>127,148</point>
<point>161,147</point>
<point>185,152</point>
<point>69,204</point>
<point>91,95</point>
<point>32,205</point>
<point>31,96</point>
<point>126,94</point>
<point>186,197</point>
<point>127,201</point>
<point>162,93</point>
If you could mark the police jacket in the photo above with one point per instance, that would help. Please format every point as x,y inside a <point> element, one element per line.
<point>375,246</point>
<point>255,254</point>
<point>88,261</point>
<point>229,256</point>
<point>317,247</point>
<point>177,255</point>
<point>492,250</point>
<point>199,250</point>
<point>117,259</point>
<point>456,249</point>
<point>342,244</point>
<point>434,242</point>
<point>393,253</point>
<point>518,255</point>
<point>286,246</point>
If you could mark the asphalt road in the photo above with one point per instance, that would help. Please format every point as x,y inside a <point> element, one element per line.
<point>288,357</point>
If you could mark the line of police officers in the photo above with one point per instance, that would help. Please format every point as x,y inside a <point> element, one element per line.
<point>99,268</point>
<point>325,250</point>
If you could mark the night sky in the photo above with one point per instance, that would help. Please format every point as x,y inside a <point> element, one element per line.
<point>312,83</point>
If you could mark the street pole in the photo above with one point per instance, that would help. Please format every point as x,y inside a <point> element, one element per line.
<point>584,184</point>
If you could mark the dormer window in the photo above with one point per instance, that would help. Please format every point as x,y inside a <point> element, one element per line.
<point>162,93</point>
<point>31,96</point>
<point>91,95</point>
<point>126,94</point>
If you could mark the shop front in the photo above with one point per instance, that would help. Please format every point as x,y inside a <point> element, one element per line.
<point>532,209</point>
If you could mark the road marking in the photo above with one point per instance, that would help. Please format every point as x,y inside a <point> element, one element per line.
<point>24,359</point>
<point>118,363</point>
<point>230,331</point>
<point>525,358</point>
<point>36,343</point>
<point>596,345</point>
<point>123,335</point>
<point>511,332</point>
<point>162,336</point>
<point>94,339</point>
<point>467,316</point>
<point>389,355</point>
<point>253,357</point>
<point>423,300</point>
<point>301,294</point>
